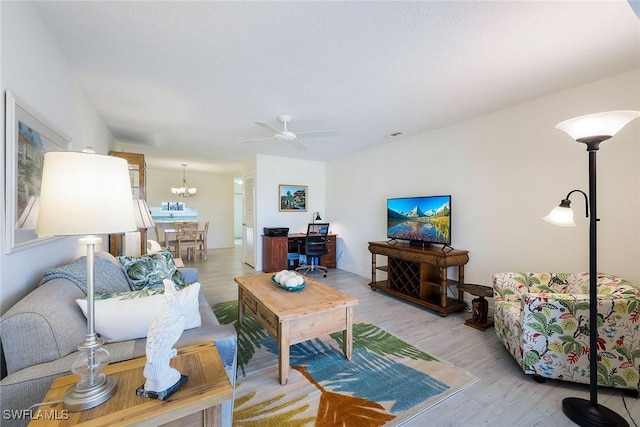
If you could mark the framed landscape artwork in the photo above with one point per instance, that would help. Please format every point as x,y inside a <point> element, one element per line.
<point>293,198</point>
<point>28,137</point>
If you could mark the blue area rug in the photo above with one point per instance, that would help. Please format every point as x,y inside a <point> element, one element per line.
<point>387,382</point>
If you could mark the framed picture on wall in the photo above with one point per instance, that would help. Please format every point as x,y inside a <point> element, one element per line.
<point>28,137</point>
<point>292,198</point>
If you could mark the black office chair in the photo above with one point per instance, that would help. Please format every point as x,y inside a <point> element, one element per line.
<point>315,246</point>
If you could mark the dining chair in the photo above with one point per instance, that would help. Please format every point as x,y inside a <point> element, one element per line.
<point>157,232</point>
<point>186,236</point>
<point>201,241</point>
<point>171,242</point>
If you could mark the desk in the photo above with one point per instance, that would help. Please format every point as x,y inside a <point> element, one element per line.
<point>196,403</point>
<point>275,250</point>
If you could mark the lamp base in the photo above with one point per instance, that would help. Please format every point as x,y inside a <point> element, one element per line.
<point>81,400</point>
<point>581,412</point>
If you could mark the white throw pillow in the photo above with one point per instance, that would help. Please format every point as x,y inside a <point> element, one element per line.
<point>128,315</point>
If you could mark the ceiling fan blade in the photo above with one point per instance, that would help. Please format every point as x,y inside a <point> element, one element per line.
<point>298,145</point>
<point>268,127</point>
<point>253,140</point>
<point>314,133</point>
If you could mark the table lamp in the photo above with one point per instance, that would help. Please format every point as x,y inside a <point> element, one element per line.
<point>135,242</point>
<point>86,194</point>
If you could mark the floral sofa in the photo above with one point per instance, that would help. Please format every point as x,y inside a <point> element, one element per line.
<point>543,321</point>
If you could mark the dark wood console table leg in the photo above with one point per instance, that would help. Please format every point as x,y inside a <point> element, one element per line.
<point>443,287</point>
<point>373,271</point>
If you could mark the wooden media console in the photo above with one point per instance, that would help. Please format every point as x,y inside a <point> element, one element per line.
<point>420,274</point>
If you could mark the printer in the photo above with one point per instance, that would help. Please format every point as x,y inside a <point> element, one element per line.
<point>276,231</point>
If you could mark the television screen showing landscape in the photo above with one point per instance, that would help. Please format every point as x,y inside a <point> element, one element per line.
<point>426,219</point>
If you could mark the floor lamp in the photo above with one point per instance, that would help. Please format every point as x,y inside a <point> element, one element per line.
<point>86,194</point>
<point>590,130</point>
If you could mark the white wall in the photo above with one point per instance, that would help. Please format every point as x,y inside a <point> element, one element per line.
<point>504,171</point>
<point>270,173</point>
<point>34,69</point>
<point>214,200</point>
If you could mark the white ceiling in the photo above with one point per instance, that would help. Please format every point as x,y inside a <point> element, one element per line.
<point>181,81</point>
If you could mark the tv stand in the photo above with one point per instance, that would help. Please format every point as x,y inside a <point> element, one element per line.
<point>420,274</point>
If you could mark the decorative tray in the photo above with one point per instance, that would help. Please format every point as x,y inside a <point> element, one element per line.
<point>289,288</point>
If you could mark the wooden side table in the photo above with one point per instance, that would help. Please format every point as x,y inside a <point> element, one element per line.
<point>479,307</point>
<point>196,403</point>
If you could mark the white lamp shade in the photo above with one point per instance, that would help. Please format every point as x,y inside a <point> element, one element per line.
<point>83,193</point>
<point>608,123</point>
<point>561,216</point>
<point>142,214</point>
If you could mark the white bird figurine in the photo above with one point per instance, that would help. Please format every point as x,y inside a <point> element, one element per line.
<point>165,330</point>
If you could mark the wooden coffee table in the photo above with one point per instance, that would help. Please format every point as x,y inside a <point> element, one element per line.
<point>196,403</point>
<point>293,317</point>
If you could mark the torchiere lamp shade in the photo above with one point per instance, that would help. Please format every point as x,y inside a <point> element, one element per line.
<point>605,124</point>
<point>84,193</point>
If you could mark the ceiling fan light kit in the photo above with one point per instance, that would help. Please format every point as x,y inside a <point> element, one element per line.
<point>286,135</point>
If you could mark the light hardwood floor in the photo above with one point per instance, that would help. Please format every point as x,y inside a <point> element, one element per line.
<point>504,396</point>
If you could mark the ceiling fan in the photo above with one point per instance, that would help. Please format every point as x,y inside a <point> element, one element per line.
<point>285,134</point>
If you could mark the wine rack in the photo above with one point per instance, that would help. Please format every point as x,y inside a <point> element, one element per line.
<point>404,276</point>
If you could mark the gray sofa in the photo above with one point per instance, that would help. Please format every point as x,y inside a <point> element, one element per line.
<point>41,333</point>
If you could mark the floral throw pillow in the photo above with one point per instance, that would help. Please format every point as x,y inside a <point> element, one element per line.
<point>148,271</point>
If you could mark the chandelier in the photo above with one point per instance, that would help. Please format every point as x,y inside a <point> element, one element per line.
<point>184,191</point>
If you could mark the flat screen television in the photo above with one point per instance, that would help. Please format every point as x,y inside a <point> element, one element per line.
<point>420,220</point>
